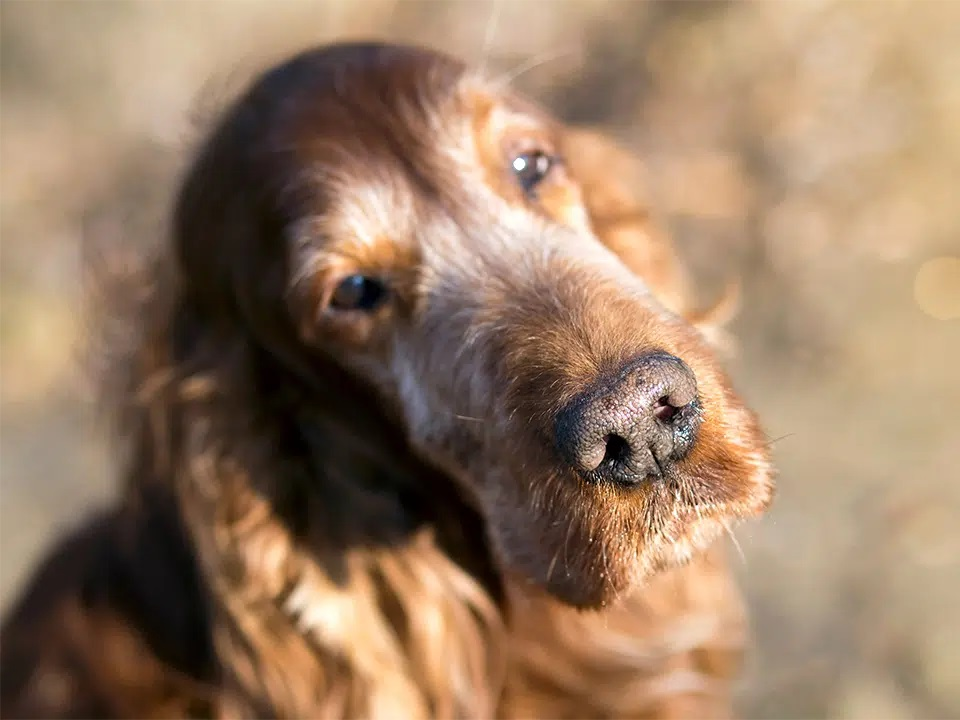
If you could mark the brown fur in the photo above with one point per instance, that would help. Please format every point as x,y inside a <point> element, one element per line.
<point>348,514</point>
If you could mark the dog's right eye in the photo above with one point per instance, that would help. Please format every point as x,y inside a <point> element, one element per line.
<point>358,292</point>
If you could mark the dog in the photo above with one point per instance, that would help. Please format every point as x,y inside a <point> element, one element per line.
<point>418,422</point>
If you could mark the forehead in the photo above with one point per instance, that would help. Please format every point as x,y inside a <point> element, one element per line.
<point>378,137</point>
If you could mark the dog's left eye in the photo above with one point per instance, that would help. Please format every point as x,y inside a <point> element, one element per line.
<point>531,168</point>
<point>358,292</point>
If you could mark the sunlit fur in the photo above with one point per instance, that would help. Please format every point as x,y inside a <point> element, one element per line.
<point>363,514</point>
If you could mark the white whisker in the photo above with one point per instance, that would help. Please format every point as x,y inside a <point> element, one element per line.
<point>508,78</point>
<point>736,543</point>
<point>489,34</point>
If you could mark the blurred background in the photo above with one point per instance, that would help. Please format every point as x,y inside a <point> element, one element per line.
<point>810,149</point>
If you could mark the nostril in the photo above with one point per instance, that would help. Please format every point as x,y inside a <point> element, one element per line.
<point>617,450</point>
<point>664,411</point>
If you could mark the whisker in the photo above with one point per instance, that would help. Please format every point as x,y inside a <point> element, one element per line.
<point>467,417</point>
<point>508,78</point>
<point>566,542</point>
<point>778,439</point>
<point>553,564</point>
<point>736,543</point>
<point>492,22</point>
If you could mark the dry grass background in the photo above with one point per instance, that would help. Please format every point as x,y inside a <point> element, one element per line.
<point>810,148</point>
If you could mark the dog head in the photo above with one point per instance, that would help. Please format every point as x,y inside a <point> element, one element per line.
<point>451,247</point>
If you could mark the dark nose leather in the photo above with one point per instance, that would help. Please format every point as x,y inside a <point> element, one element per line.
<point>631,426</point>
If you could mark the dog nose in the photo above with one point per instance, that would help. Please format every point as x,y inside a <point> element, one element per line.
<point>631,426</point>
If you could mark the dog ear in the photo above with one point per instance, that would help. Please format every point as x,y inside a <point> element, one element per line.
<point>611,181</point>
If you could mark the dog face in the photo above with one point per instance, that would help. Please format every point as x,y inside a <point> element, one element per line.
<point>425,230</point>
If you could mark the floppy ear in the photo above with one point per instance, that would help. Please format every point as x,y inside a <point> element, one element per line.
<point>611,181</point>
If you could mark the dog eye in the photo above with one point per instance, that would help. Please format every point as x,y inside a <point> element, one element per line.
<point>358,292</point>
<point>531,168</point>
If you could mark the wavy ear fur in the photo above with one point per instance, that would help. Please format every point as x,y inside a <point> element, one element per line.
<point>612,181</point>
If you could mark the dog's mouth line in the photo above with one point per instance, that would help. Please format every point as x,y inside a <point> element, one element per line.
<point>674,488</point>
